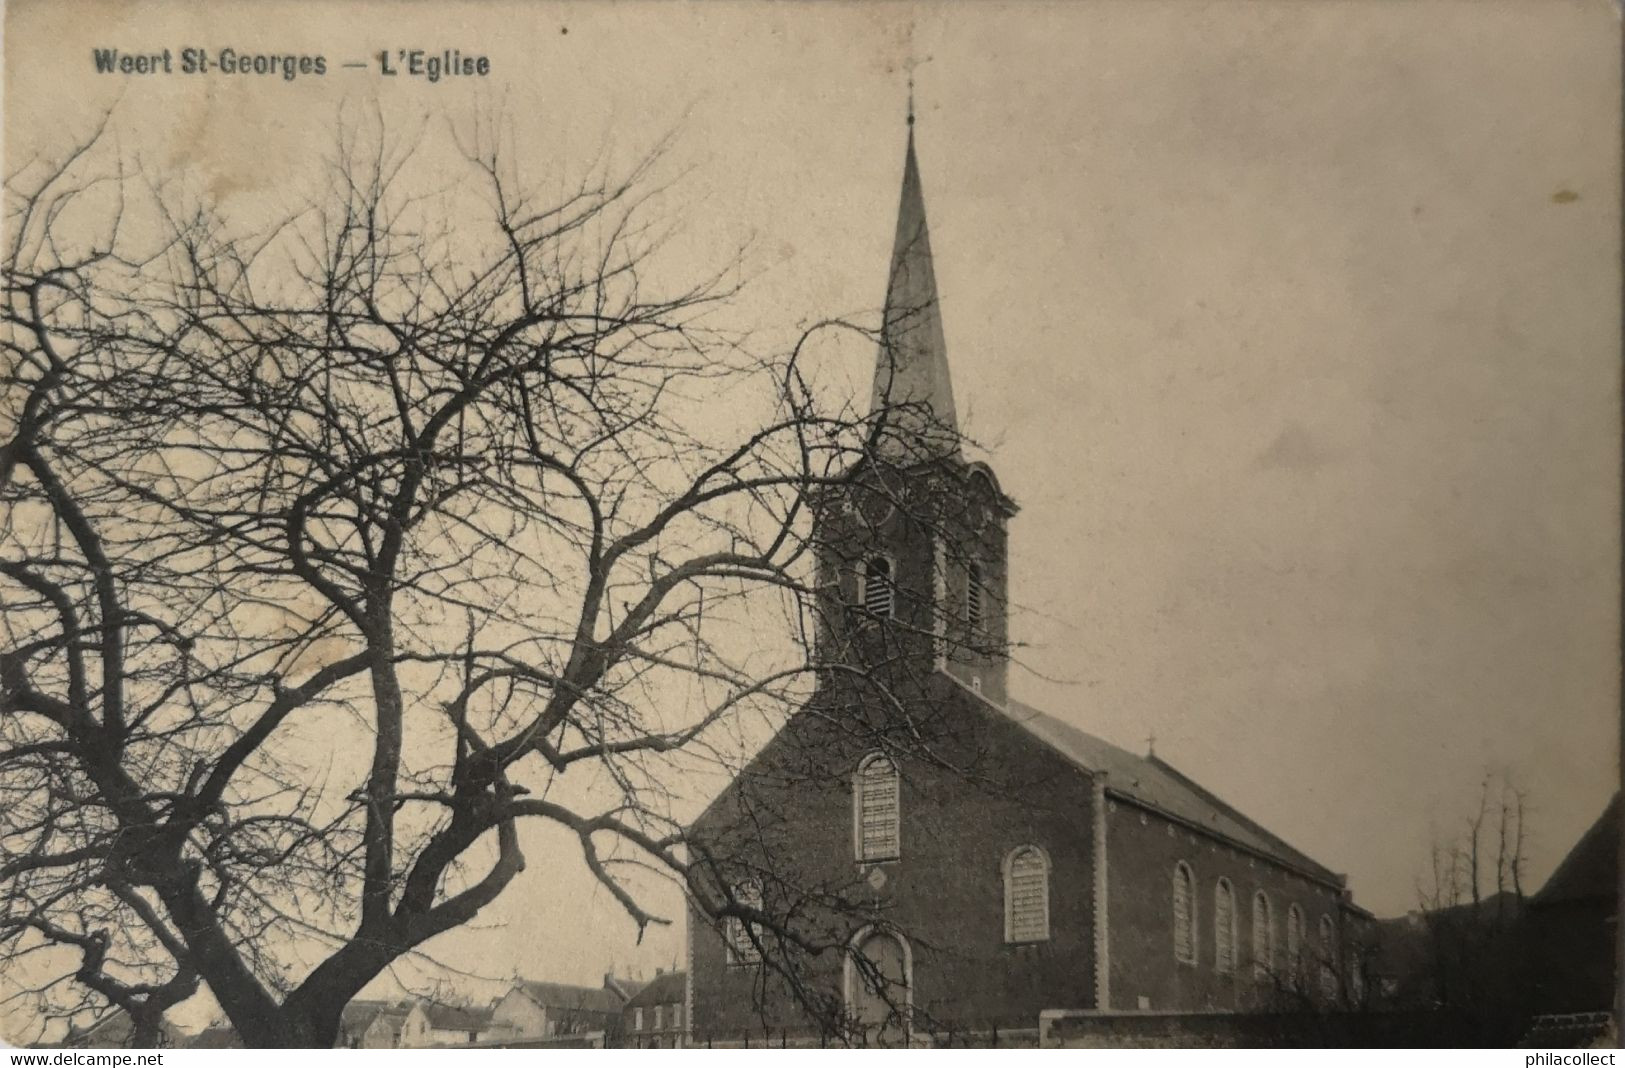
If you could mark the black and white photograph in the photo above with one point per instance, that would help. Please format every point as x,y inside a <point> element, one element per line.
<point>747,525</point>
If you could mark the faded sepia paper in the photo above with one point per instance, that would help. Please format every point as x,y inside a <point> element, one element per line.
<point>1293,329</point>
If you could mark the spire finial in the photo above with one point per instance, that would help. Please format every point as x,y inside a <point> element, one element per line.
<point>1151,744</point>
<point>909,64</point>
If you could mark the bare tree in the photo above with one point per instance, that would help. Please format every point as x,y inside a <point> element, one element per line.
<point>1471,903</point>
<point>334,547</point>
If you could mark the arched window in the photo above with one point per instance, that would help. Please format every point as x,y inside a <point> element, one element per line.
<point>879,586</point>
<point>1328,958</point>
<point>974,596</point>
<point>1294,944</point>
<point>1026,895</point>
<point>1184,913</point>
<point>875,812</point>
<point>1224,927</point>
<point>1263,937</point>
<point>742,948</point>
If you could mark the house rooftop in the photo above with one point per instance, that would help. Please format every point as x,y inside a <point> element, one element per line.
<point>456,1017</point>
<point>359,1014</point>
<point>567,996</point>
<point>1591,870</point>
<point>663,989</point>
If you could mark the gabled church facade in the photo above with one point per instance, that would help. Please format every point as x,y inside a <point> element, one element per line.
<point>931,860</point>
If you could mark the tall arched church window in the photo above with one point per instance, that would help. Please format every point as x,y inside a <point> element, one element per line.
<point>1184,913</point>
<point>876,816</point>
<point>742,947</point>
<point>1328,958</point>
<point>1294,944</point>
<point>879,586</point>
<point>1224,927</point>
<point>1026,895</point>
<point>1263,937</point>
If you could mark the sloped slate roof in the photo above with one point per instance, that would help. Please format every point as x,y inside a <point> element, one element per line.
<point>358,1015</point>
<point>662,990</point>
<point>1592,867</point>
<point>456,1017</point>
<point>1153,782</point>
<point>565,996</point>
<point>626,987</point>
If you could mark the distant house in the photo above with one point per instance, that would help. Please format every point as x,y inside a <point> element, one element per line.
<point>215,1036</point>
<point>114,1031</point>
<point>653,1019</point>
<point>456,1025</point>
<point>1570,926</point>
<point>534,1009</point>
<point>382,1025</point>
<point>379,1025</point>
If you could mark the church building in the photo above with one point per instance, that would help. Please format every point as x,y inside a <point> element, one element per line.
<point>919,857</point>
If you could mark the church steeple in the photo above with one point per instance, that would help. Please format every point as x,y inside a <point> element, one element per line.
<point>911,554</point>
<point>911,374</point>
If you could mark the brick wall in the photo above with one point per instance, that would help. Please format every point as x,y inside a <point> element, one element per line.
<point>945,894</point>
<point>1142,850</point>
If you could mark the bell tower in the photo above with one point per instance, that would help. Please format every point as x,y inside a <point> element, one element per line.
<point>911,553</point>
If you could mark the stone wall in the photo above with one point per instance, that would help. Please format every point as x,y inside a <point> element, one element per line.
<point>1088,1029</point>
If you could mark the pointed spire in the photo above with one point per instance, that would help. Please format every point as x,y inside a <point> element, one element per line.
<point>912,369</point>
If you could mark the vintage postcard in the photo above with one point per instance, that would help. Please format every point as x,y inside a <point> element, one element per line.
<point>592,525</point>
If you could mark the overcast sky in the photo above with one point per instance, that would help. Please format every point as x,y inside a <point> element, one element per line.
<point>1293,328</point>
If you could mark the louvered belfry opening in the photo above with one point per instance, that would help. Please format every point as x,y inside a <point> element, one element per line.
<point>879,587</point>
<point>973,599</point>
